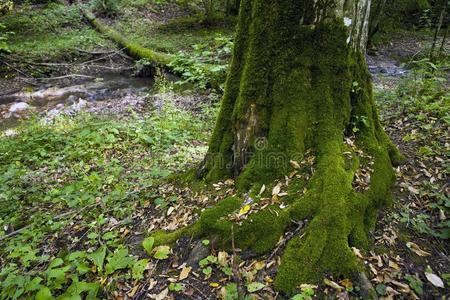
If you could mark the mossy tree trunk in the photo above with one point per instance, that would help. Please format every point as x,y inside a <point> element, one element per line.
<point>299,84</point>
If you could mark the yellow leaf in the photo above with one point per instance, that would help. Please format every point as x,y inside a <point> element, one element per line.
<point>259,265</point>
<point>214,284</point>
<point>416,249</point>
<point>244,210</point>
<point>346,283</point>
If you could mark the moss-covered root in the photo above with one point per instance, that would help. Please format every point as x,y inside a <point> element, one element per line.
<point>259,233</point>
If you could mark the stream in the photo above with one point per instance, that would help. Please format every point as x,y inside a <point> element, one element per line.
<point>103,93</point>
<point>111,93</point>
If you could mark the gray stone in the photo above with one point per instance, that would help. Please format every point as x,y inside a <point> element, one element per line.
<point>18,107</point>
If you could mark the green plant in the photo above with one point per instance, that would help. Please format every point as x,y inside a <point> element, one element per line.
<point>64,181</point>
<point>108,8</point>
<point>191,65</point>
<point>4,36</point>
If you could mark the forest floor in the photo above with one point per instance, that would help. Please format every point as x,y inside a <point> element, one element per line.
<point>83,183</point>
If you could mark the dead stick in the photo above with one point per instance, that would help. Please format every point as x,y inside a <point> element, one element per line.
<point>58,217</point>
<point>235,267</point>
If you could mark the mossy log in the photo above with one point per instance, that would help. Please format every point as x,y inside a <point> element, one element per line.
<point>134,49</point>
<point>299,84</point>
<point>159,59</point>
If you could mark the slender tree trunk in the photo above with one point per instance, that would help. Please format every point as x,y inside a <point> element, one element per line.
<point>444,39</point>
<point>438,28</point>
<point>297,89</point>
<point>375,18</point>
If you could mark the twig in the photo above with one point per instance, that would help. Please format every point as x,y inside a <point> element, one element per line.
<point>58,217</point>
<point>235,268</point>
<point>95,52</point>
<point>14,68</point>
<point>65,76</point>
<point>289,236</point>
<point>198,290</point>
<point>103,57</point>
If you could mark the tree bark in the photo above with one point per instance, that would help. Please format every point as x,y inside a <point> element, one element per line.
<point>297,89</point>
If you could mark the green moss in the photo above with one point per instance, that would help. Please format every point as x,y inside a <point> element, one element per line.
<point>292,98</point>
<point>262,230</point>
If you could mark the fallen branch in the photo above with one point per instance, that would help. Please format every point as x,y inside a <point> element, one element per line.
<point>65,76</point>
<point>288,237</point>
<point>14,68</point>
<point>235,268</point>
<point>58,217</point>
<point>137,51</point>
<point>94,52</point>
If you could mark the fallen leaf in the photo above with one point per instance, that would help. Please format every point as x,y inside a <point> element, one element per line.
<point>357,252</point>
<point>245,209</point>
<point>170,210</point>
<point>162,295</point>
<point>263,188</point>
<point>255,286</point>
<point>185,273</point>
<point>413,190</point>
<point>333,284</point>
<point>295,164</point>
<point>434,279</point>
<point>276,190</point>
<point>416,249</point>
<point>346,283</point>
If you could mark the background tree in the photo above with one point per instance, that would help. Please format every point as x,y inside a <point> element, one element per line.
<point>298,87</point>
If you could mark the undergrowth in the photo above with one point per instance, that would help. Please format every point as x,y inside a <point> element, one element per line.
<point>66,185</point>
<point>52,32</point>
<point>421,106</point>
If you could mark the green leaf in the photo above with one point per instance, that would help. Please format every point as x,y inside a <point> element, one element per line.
<point>162,252</point>
<point>255,286</point>
<point>55,263</point>
<point>148,244</point>
<point>205,242</point>
<point>207,270</point>
<point>57,276</point>
<point>415,284</point>
<point>212,259</point>
<point>34,284</point>
<point>227,271</point>
<point>175,287</point>
<point>203,263</point>
<point>44,294</point>
<point>98,257</point>
<point>381,289</point>
<point>75,255</point>
<point>231,292</point>
<point>119,260</point>
<point>139,268</point>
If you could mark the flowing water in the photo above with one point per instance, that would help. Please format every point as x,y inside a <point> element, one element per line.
<point>74,95</point>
